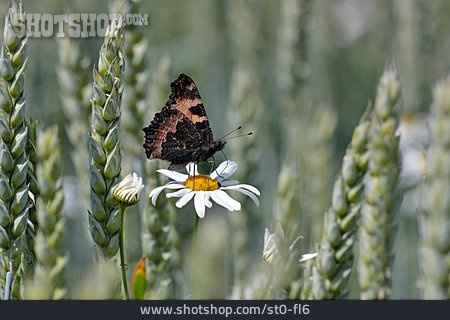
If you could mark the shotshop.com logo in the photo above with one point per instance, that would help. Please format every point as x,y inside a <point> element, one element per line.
<point>74,25</point>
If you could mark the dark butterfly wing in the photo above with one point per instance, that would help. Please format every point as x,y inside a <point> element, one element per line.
<point>178,131</point>
<point>171,136</point>
<point>184,97</point>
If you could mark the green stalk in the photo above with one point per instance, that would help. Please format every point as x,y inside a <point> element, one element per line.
<point>123,265</point>
<point>194,243</point>
<point>194,254</point>
<point>8,281</point>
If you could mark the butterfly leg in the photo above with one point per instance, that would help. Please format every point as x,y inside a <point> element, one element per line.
<point>219,174</point>
<point>213,165</point>
<point>195,169</point>
<point>226,159</point>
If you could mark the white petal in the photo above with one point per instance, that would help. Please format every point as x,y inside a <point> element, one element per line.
<point>178,194</point>
<point>208,203</point>
<point>243,186</point>
<point>140,188</point>
<point>308,256</point>
<point>229,183</point>
<point>224,170</point>
<point>180,177</point>
<point>223,199</point>
<point>166,186</point>
<point>127,178</point>
<point>155,192</point>
<point>246,192</point>
<point>199,203</point>
<point>191,169</point>
<point>184,199</point>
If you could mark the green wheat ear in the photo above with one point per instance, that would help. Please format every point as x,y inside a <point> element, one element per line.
<point>245,107</point>
<point>160,243</point>
<point>101,282</point>
<point>160,238</point>
<point>33,188</point>
<point>333,265</point>
<point>244,97</point>
<point>286,267</point>
<point>76,90</point>
<point>307,122</point>
<point>381,199</point>
<point>434,220</point>
<point>136,83</point>
<point>51,255</point>
<point>14,162</point>
<point>105,147</point>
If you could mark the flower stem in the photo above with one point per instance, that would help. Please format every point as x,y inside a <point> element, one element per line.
<point>194,243</point>
<point>194,249</point>
<point>9,278</point>
<point>122,254</point>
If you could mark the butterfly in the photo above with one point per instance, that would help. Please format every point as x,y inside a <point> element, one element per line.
<point>181,133</point>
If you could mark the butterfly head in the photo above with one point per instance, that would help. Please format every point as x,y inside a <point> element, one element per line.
<point>217,145</point>
<point>208,149</point>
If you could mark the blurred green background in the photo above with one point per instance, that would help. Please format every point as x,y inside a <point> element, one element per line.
<point>340,48</point>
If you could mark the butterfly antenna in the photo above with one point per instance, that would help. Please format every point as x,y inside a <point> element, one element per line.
<point>238,128</point>
<point>241,135</point>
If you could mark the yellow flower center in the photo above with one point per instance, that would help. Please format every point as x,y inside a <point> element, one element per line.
<point>201,182</point>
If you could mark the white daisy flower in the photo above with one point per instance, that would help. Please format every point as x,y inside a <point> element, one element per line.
<point>129,189</point>
<point>204,188</point>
